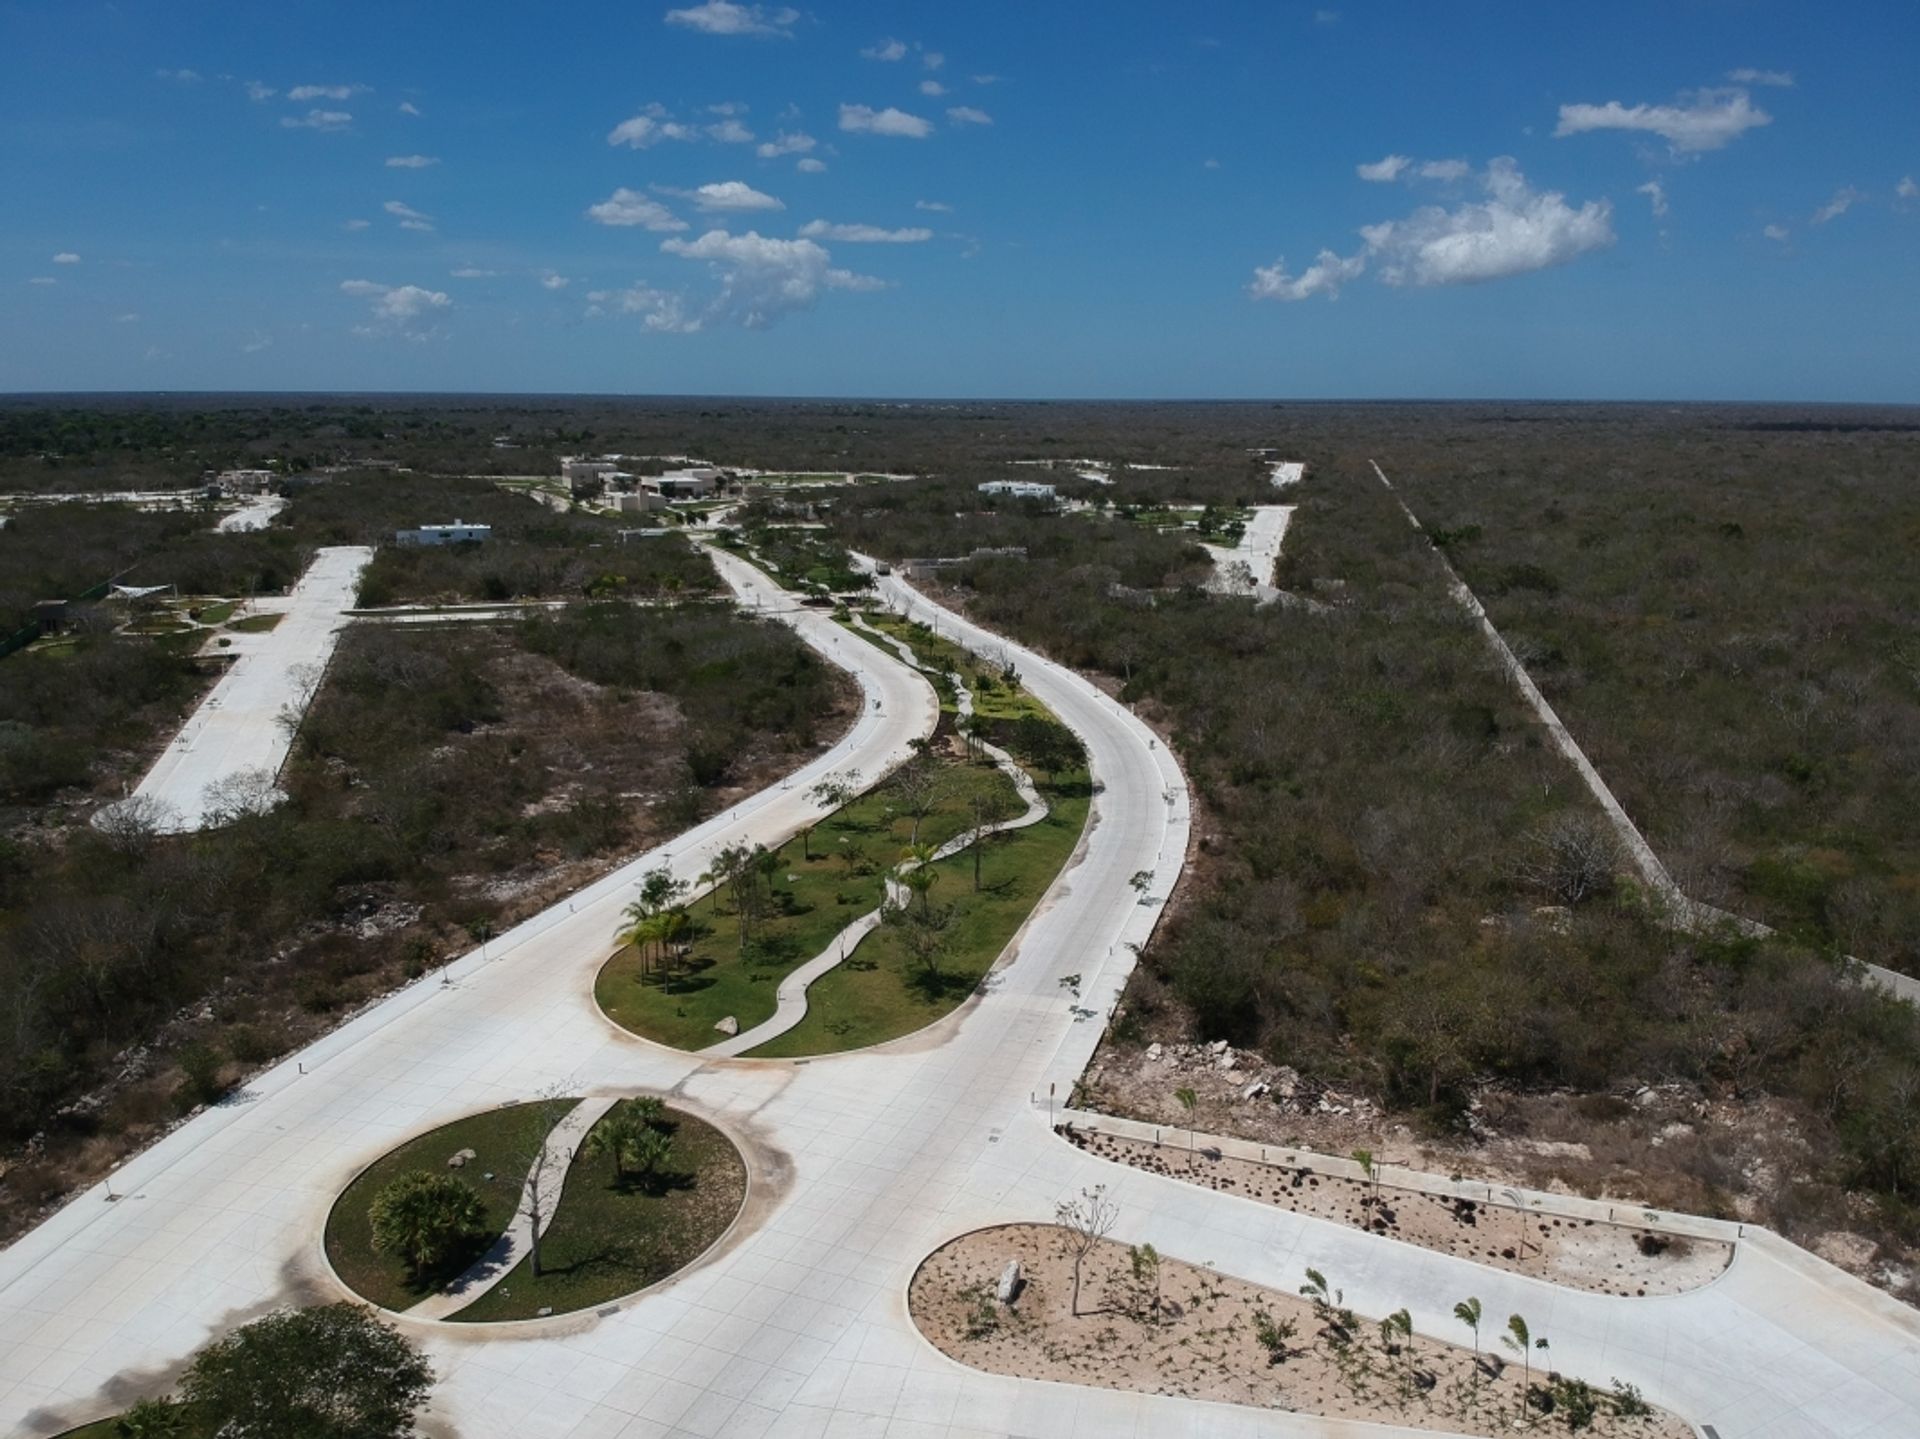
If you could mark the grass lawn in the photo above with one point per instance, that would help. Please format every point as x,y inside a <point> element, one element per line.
<point>612,1236</point>
<point>103,1429</point>
<point>502,1143</point>
<point>993,699</point>
<point>876,995</point>
<point>817,898</point>
<point>217,614</point>
<point>256,624</point>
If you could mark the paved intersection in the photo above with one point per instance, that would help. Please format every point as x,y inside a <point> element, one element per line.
<point>862,1163</point>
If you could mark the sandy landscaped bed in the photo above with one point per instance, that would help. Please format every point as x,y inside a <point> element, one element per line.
<point>1198,1334</point>
<point>1623,1259</point>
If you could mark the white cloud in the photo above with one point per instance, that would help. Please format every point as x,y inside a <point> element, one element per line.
<point>810,166</point>
<point>1780,78</point>
<point>411,162</point>
<point>649,128</point>
<point>1907,189</point>
<point>258,92</point>
<point>409,218</point>
<point>66,257</point>
<point>1776,232</point>
<point>1656,194</point>
<point>300,94</point>
<point>967,115</point>
<point>1382,172</point>
<point>932,88</point>
<point>762,279</point>
<point>1844,199</point>
<point>933,59</point>
<point>551,281</point>
<point>787,142</point>
<point>407,107</point>
<point>1702,120</point>
<point>864,120</point>
<point>355,224</point>
<point>730,132</point>
<point>863,234</point>
<point>1514,231</point>
<point>660,309</point>
<point>181,77</point>
<point>43,280</point>
<point>1446,170</point>
<point>888,50</point>
<point>1323,277</point>
<point>722,17</point>
<point>132,317</point>
<point>729,197</point>
<point>318,120</point>
<point>630,207</point>
<point>399,306</point>
<point>937,207</point>
<point>473,272</point>
<point>259,341</point>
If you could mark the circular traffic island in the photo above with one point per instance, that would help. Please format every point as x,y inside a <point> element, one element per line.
<point>628,1192</point>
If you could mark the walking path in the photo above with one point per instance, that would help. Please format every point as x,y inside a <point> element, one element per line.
<point>545,1178</point>
<point>236,734</point>
<point>256,514</point>
<point>862,1163</point>
<point>1688,912</point>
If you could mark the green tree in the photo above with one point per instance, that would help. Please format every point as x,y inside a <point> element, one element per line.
<point>425,1218</point>
<point>335,1372</point>
<point>152,1419</point>
<point>987,805</point>
<point>922,876</point>
<point>1521,1342</point>
<point>1467,1311</point>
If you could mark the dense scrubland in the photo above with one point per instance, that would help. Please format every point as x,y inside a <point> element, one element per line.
<point>1731,623</point>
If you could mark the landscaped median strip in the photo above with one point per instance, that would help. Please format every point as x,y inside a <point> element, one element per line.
<point>792,995</point>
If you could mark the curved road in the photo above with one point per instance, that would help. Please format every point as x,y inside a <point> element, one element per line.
<point>863,1164</point>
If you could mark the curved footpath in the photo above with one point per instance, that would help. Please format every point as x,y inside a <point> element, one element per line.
<point>868,1162</point>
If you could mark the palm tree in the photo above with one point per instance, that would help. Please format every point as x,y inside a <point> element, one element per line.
<point>1187,1100</point>
<point>422,1217</point>
<point>1521,1342</point>
<point>618,1137</point>
<point>1467,1311</point>
<point>923,876</point>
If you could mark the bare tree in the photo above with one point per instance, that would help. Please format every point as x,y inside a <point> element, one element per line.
<point>919,785</point>
<point>1573,857</point>
<point>131,825</point>
<point>1084,1222</point>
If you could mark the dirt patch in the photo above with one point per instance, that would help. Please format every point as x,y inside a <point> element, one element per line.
<point>1190,1332</point>
<point>1584,1254</point>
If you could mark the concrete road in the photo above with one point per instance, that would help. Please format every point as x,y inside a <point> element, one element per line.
<point>236,731</point>
<point>861,1164</point>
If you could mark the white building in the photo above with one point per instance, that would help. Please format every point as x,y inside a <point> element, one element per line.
<point>244,482</point>
<point>638,502</point>
<point>582,467</point>
<point>1018,490</point>
<point>460,532</point>
<point>682,484</point>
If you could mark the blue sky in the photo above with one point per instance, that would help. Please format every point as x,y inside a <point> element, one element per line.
<point>1693,199</point>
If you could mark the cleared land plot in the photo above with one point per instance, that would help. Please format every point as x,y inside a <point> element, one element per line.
<point>237,731</point>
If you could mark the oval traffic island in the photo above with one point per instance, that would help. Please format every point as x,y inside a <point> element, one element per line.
<point>627,1192</point>
<point>1086,1310</point>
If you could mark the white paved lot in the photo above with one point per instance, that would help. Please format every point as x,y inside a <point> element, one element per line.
<point>862,1164</point>
<point>1259,548</point>
<point>236,729</point>
<point>256,514</point>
